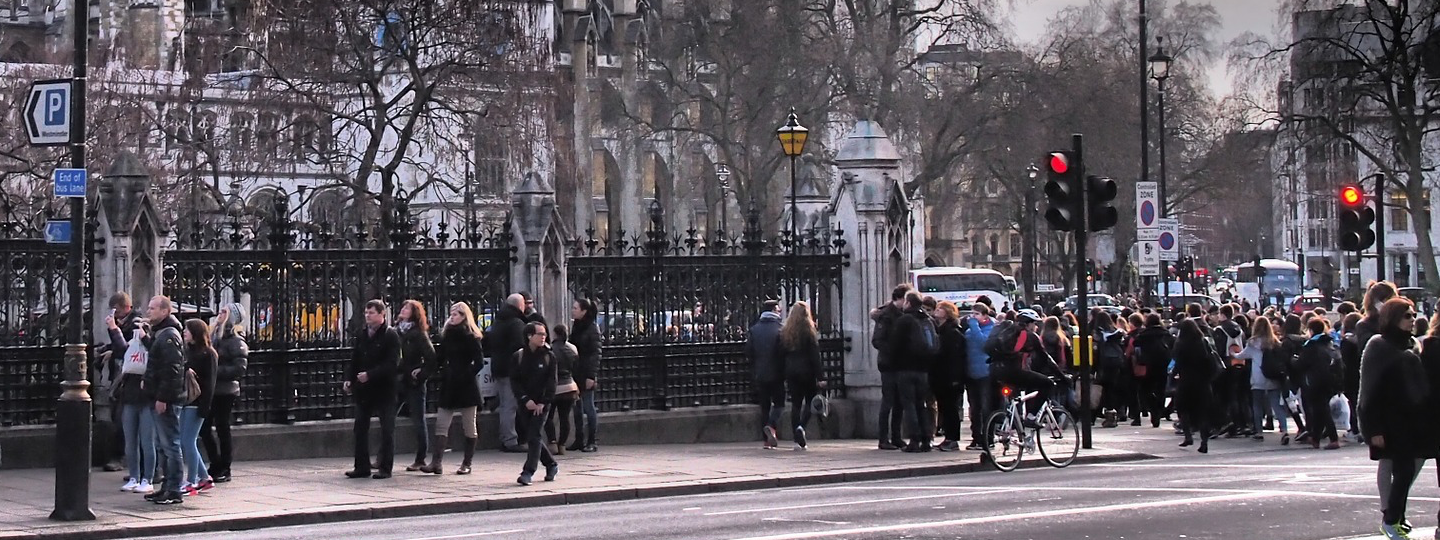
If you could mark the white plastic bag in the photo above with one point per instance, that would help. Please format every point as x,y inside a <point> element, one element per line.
<point>1340,411</point>
<point>1292,402</point>
<point>136,358</point>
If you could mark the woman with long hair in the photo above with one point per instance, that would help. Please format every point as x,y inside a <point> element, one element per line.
<point>234,354</point>
<point>566,390</point>
<point>1056,341</point>
<point>1393,390</point>
<point>1265,393</point>
<point>200,356</point>
<point>1197,365</point>
<point>1375,296</point>
<point>456,362</point>
<point>585,336</point>
<point>416,350</point>
<point>947,373</point>
<point>800,347</point>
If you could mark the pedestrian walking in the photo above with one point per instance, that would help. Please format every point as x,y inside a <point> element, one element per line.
<point>585,336</point>
<point>234,358</point>
<point>137,410</point>
<point>1268,360</point>
<point>1319,371</point>
<point>566,356</point>
<point>164,386</point>
<point>980,394</point>
<point>371,379</point>
<point>456,363</point>
<point>1376,295</point>
<point>1350,348</point>
<point>891,414</point>
<point>416,351</point>
<point>1197,365</point>
<point>533,385</point>
<point>1152,352</point>
<point>761,347</point>
<point>913,345</point>
<point>1232,391</point>
<point>201,361</point>
<point>804,374</point>
<point>1393,391</point>
<point>947,374</point>
<point>503,339</point>
<point>1110,359</point>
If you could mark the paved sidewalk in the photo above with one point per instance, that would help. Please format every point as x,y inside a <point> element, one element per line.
<point>277,493</point>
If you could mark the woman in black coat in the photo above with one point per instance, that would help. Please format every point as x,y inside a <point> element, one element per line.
<point>585,336</point>
<point>416,350</point>
<point>947,373</point>
<point>1312,371</point>
<point>1393,391</point>
<point>1196,368</point>
<point>455,364</point>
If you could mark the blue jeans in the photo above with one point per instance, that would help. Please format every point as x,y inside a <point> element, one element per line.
<point>190,422</point>
<point>138,422</point>
<point>507,413</point>
<point>167,426</point>
<point>586,411</point>
<point>414,399</point>
<point>1275,401</point>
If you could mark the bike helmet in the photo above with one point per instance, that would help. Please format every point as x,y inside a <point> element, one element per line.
<point>1027,316</point>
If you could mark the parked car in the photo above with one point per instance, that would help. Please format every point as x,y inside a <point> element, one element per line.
<point>1424,301</point>
<point>1103,301</point>
<point>1179,301</point>
<point>1310,301</point>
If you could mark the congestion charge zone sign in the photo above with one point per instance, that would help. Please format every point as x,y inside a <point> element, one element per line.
<point>1147,200</point>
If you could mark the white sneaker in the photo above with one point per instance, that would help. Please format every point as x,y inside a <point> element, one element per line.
<point>130,486</point>
<point>144,488</point>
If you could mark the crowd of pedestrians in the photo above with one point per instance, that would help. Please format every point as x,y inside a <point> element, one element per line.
<point>174,386</point>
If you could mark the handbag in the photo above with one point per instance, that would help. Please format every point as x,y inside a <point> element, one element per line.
<point>192,386</point>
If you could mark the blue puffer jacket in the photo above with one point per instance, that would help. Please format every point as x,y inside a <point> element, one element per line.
<point>975,335</point>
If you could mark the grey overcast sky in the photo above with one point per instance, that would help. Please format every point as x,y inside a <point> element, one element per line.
<point>1236,18</point>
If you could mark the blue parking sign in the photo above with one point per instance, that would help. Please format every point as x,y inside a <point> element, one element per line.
<point>70,182</point>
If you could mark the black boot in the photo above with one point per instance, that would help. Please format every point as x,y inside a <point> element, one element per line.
<point>579,443</point>
<point>589,443</point>
<point>437,451</point>
<point>469,454</point>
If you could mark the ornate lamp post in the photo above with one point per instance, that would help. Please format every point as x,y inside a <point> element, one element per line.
<point>722,172</point>
<point>1160,70</point>
<point>1028,256</point>
<point>792,138</point>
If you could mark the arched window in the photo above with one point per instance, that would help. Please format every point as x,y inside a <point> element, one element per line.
<point>242,132</point>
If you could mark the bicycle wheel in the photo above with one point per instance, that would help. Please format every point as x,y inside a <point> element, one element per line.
<point>1004,443</point>
<point>1059,440</point>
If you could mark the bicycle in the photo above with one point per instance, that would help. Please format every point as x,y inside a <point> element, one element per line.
<point>1008,437</point>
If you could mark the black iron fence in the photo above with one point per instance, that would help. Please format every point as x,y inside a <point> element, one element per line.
<point>34,309</point>
<point>675,308</point>
<point>306,285</point>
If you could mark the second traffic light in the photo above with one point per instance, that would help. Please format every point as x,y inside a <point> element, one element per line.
<point>1100,193</point>
<point>1356,219</point>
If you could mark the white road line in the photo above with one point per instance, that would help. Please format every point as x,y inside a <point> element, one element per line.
<point>1038,489</point>
<point>983,491</point>
<point>820,521</point>
<point>470,535</point>
<point>1230,466</point>
<point>1012,517</point>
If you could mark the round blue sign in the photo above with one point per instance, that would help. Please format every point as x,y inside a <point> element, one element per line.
<point>1167,241</point>
<point>1147,213</point>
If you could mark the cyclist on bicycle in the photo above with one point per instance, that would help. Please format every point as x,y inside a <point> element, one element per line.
<point>1016,366</point>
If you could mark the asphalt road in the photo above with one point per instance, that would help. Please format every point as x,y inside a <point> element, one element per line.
<point>1292,494</point>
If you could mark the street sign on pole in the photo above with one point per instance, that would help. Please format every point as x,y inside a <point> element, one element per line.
<point>70,182</point>
<point>1169,239</point>
<point>1147,200</point>
<point>57,232</point>
<point>1149,260</point>
<point>47,113</point>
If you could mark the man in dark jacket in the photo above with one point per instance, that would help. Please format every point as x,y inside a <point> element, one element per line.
<point>1152,350</point>
<point>502,339</point>
<point>532,314</point>
<point>371,378</point>
<point>769,369</point>
<point>890,413</point>
<point>1232,390</point>
<point>165,385</point>
<point>912,365</point>
<point>107,379</point>
<point>533,385</point>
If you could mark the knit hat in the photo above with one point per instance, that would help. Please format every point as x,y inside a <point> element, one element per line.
<point>237,314</point>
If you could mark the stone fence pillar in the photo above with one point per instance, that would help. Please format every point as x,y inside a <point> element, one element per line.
<point>129,257</point>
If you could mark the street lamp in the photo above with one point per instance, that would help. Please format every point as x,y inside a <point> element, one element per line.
<point>1160,70</point>
<point>722,172</point>
<point>792,138</point>
<point>1028,257</point>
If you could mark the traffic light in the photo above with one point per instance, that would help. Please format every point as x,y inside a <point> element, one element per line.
<point>1100,193</point>
<point>1356,219</point>
<point>1259,270</point>
<point>1062,189</point>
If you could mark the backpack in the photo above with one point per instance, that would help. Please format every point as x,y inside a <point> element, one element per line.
<point>1233,346</point>
<point>1337,370</point>
<point>1273,363</point>
<point>927,338</point>
<point>1001,343</point>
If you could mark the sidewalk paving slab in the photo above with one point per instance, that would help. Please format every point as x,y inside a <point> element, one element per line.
<point>308,491</point>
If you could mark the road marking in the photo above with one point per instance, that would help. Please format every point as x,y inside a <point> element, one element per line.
<point>469,535</point>
<point>1013,517</point>
<point>690,509</point>
<point>983,491</point>
<point>1232,466</point>
<point>1266,492</point>
<point>820,521</point>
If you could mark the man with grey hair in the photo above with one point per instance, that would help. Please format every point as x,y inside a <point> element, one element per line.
<point>504,337</point>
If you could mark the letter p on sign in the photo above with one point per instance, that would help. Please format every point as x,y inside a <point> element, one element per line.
<point>55,107</point>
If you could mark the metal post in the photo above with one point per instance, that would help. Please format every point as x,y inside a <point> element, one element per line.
<point>1164,273</point>
<point>794,238</point>
<point>1380,270</point>
<point>74,409</point>
<point>1145,97</point>
<point>1027,262</point>
<point>1082,297</point>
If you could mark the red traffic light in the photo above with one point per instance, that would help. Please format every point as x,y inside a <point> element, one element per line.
<point>1059,164</point>
<point>1351,196</point>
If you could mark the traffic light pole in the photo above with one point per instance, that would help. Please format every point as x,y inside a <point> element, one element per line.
<point>1380,227</point>
<point>1082,300</point>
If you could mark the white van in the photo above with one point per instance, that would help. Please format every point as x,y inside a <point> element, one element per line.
<point>963,286</point>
